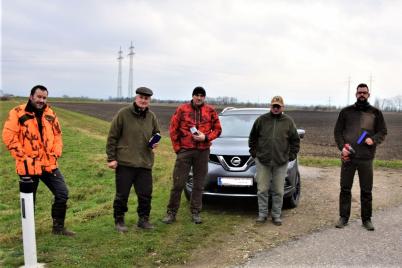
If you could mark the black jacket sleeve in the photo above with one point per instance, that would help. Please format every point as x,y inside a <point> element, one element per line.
<point>338,130</point>
<point>253,139</point>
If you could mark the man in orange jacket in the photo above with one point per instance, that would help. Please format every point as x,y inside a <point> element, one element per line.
<point>32,134</point>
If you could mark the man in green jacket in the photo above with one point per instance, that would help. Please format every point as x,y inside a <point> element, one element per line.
<point>131,155</point>
<point>273,142</point>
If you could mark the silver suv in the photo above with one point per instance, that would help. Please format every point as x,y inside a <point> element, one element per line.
<point>231,169</point>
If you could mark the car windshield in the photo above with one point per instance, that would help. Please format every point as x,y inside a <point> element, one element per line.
<point>237,125</point>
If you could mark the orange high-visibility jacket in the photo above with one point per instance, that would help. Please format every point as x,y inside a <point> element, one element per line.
<point>32,153</point>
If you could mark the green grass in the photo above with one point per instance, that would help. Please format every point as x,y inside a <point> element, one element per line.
<point>91,186</point>
<point>331,162</point>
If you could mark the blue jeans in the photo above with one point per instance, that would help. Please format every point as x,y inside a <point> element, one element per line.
<point>270,178</point>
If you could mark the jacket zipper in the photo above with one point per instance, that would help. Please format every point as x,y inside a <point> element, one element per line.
<point>197,113</point>
<point>273,139</point>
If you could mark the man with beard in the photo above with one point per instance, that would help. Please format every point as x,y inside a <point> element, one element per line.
<point>359,129</point>
<point>32,134</point>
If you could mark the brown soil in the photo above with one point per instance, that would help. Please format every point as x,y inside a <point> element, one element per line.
<point>318,210</point>
<point>319,126</point>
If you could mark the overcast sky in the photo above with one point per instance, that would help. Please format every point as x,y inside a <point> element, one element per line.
<point>252,50</point>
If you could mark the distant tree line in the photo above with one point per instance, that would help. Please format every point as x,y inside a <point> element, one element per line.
<point>389,104</point>
<point>393,104</point>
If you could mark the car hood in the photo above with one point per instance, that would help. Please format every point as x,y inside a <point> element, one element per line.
<point>230,146</point>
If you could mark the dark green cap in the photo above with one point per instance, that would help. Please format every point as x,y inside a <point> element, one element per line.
<point>144,91</point>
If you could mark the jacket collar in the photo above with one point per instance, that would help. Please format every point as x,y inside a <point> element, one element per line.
<point>137,111</point>
<point>277,116</point>
<point>362,106</point>
<point>31,109</point>
<point>195,107</point>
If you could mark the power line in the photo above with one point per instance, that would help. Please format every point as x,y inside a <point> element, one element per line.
<point>130,73</point>
<point>119,77</point>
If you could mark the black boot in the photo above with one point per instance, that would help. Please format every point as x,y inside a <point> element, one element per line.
<point>120,225</point>
<point>342,222</point>
<point>144,223</point>
<point>58,215</point>
<point>58,228</point>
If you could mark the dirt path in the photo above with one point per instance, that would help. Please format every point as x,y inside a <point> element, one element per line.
<point>318,209</point>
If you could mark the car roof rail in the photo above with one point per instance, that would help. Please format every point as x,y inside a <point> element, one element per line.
<point>227,108</point>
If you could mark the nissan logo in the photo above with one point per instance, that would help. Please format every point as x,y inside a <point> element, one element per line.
<point>236,161</point>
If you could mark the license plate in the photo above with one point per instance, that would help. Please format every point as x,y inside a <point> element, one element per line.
<point>233,181</point>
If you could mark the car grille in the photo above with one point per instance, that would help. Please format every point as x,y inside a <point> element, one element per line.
<point>232,162</point>
<point>236,160</point>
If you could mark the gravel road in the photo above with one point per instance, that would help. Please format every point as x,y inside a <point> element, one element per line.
<point>351,246</point>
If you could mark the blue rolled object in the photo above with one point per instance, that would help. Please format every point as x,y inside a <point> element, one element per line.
<point>155,139</point>
<point>362,136</point>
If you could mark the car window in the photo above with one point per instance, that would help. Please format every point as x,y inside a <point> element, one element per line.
<point>238,125</point>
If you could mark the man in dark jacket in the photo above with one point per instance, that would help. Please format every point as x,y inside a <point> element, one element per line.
<point>273,142</point>
<point>358,130</point>
<point>192,128</point>
<point>129,153</point>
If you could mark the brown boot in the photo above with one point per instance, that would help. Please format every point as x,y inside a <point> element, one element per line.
<point>58,228</point>
<point>169,218</point>
<point>120,225</point>
<point>196,218</point>
<point>144,223</point>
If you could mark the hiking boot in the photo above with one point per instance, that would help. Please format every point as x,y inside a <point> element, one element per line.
<point>196,218</point>
<point>368,225</point>
<point>144,223</point>
<point>342,222</point>
<point>58,228</point>
<point>261,219</point>
<point>169,218</point>
<point>277,221</point>
<point>120,225</point>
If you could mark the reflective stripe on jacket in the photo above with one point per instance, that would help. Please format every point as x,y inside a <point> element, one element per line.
<point>33,152</point>
<point>204,118</point>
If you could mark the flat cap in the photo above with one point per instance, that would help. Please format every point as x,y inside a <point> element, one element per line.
<point>144,91</point>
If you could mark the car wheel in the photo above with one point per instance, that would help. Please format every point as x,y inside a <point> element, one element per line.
<point>293,200</point>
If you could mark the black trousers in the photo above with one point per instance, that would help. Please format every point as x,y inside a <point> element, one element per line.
<point>56,184</point>
<point>141,179</point>
<point>364,168</point>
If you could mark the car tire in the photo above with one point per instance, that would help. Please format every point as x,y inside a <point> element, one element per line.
<point>293,200</point>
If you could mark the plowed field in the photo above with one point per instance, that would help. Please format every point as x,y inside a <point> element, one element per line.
<point>319,126</point>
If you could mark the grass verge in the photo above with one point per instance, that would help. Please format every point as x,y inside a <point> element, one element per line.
<point>331,162</point>
<point>91,187</point>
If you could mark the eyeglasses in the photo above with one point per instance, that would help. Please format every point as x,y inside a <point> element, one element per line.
<point>362,92</point>
<point>276,106</point>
